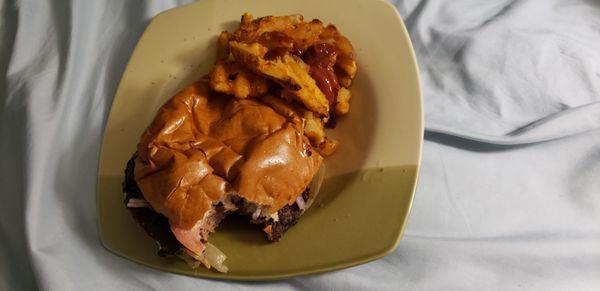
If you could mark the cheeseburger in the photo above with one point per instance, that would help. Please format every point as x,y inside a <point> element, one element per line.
<point>248,138</point>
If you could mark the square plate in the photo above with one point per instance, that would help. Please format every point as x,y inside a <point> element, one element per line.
<point>363,206</point>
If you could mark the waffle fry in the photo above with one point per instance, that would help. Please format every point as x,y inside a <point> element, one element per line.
<point>230,78</point>
<point>289,71</point>
<point>301,69</point>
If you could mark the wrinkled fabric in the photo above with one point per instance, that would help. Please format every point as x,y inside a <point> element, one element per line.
<point>508,192</point>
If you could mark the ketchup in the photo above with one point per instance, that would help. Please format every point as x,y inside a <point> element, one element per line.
<point>321,58</point>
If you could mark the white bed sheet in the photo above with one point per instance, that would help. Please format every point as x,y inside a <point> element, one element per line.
<point>509,195</point>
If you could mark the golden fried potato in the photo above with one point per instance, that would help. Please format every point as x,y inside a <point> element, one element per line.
<point>314,129</point>
<point>328,147</point>
<point>301,117</point>
<point>249,55</point>
<point>246,18</point>
<point>315,65</point>
<point>289,71</point>
<point>276,42</point>
<point>306,34</point>
<point>281,33</point>
<point>231,79</point>
<point>251,29</point>
<point>345,81</point>
<point>291,111</point>
<point>342,102</point>
<point>223,46</point>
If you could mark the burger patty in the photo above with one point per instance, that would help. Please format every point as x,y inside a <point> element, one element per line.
<point>157,225</point>
<point>288,217</point>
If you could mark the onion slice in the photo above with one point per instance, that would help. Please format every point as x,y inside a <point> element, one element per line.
<point>137,203</point>
<point>215,257</point>
<point>212,257</point>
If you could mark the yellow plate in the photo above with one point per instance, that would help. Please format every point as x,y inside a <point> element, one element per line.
<point>365,201</point>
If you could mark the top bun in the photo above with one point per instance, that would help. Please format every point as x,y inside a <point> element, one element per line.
<point>202,145</point>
